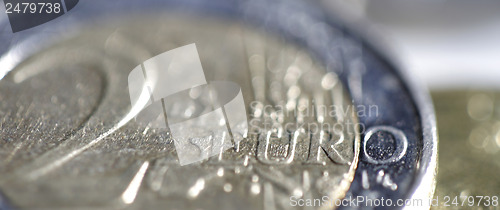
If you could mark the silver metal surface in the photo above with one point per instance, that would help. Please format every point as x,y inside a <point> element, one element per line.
<point>425,179</point>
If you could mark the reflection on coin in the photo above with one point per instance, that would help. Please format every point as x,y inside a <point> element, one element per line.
<point>469,157</point>
<point>69,139</point>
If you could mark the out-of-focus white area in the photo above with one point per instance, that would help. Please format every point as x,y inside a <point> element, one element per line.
<point>452,44</point>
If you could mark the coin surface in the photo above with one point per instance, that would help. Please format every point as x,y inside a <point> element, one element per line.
<point>64,133</point>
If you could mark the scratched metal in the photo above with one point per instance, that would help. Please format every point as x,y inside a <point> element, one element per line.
<point>68,138</point>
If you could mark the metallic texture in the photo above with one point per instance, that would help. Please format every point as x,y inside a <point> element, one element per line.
<point>68,130</point>
<point>367,75</point>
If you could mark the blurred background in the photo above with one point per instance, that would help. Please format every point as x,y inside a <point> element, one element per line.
<point>447,44</point>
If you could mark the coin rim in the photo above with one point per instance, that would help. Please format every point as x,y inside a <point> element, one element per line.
<point>425,183</point>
